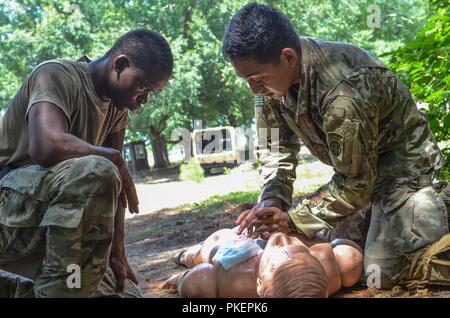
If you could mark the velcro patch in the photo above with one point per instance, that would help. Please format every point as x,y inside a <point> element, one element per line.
<point>336,144</point>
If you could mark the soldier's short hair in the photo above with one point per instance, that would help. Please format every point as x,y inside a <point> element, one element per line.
<point>146,50</point>
<point>260,32</point>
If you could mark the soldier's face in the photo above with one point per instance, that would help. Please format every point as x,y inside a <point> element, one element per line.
<point>130,87</point>
<point>269,79</point>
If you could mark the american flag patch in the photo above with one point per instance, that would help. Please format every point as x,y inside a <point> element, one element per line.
<point>258,100</point>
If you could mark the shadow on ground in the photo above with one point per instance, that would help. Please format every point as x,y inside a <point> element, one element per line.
<point>152,240</point>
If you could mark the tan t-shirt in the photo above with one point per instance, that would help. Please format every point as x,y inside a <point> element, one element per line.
<point>69,86</point>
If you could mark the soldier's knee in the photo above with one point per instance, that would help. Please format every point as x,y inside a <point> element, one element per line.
<point>98,171</point>
<point>430,215</point>
<point>99,166</point>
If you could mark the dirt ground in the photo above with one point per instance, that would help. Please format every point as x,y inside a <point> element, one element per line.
<point>153,239</point>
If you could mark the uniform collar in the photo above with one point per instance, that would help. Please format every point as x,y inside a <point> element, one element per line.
<point>299,105</point>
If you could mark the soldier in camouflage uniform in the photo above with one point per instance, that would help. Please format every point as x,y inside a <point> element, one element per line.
<point>353,114</point>
<point>64,185</point>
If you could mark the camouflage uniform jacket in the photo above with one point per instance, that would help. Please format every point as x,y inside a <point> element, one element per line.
<point>354,114</point>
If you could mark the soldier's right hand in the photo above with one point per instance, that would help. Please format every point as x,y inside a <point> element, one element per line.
<point>127,181</point>
<point>246,219</point>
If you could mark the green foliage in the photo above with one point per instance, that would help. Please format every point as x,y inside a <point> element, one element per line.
<point>192,171</point>
<point>204,86</point>
<point>219,201</point>
<point>424,65</point>
<point>346,21</point>
<point>226,171</point>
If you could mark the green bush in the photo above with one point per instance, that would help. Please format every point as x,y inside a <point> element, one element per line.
<point>226,171</point>
<point>192,171</point>
<point>424,65</point>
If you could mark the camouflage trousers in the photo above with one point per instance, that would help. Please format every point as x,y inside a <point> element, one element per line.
<point>58,222</point>
<point>396,224</point>
<point>403,223</point>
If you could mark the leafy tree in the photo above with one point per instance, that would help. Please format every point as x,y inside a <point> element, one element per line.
<point>424,64</point>
<point>204,85</point>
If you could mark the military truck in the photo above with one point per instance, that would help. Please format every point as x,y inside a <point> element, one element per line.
<point>215,148</point>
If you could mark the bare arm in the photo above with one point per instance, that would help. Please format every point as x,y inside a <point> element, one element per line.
<point>199,282</point>
<point>324,254</point>
<point>50,143</point>
<point>115,141</point>
<point>350,260</point>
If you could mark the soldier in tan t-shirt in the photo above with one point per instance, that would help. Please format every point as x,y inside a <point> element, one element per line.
<point>64,185</point>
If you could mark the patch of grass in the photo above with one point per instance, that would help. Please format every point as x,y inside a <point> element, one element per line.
<point>306,189</point>
<point>218,201</point>
<point>192,171</point>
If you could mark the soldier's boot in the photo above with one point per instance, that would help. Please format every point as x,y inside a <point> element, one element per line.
<point>15,286</point>
<point>402,229</point>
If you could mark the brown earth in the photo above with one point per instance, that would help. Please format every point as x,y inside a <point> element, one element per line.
<point>153,239</point>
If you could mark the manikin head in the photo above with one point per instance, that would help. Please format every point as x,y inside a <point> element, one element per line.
<point>288,270</point>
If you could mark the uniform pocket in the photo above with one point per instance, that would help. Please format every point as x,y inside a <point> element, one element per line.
<point>18,209</point>
<point>23,200</point>
<point>67,215</point>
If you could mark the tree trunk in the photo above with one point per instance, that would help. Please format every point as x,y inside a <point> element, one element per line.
<point>231,120</point>
<point>159,149</point>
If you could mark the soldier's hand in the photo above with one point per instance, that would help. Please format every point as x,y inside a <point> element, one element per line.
<point>247,218</point>
<point>244,220</point>
<point>271,220</point>
<point>129,190</point>
<point>122,270</point>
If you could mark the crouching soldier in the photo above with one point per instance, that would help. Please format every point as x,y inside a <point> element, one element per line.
<point>64,185</point>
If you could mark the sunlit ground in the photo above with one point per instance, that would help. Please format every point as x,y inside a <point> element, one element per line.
<point>311,173</point>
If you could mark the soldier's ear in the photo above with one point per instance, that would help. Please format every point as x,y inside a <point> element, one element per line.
<point>121,62</point>
<point>290,56</point>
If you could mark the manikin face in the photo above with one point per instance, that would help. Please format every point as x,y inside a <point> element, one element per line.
<point>275,253</point>
<point>269,79</point>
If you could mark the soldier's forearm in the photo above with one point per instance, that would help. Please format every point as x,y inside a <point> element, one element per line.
<point>66,146</point>
<point>306,222</point>
<point>281,191</point>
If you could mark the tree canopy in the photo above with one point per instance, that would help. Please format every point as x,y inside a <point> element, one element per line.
<point>204,86</point>
<point>424,64</point>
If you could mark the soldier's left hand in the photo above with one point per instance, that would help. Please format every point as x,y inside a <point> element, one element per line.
<point>122,270</point>
<point>271,220</point>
